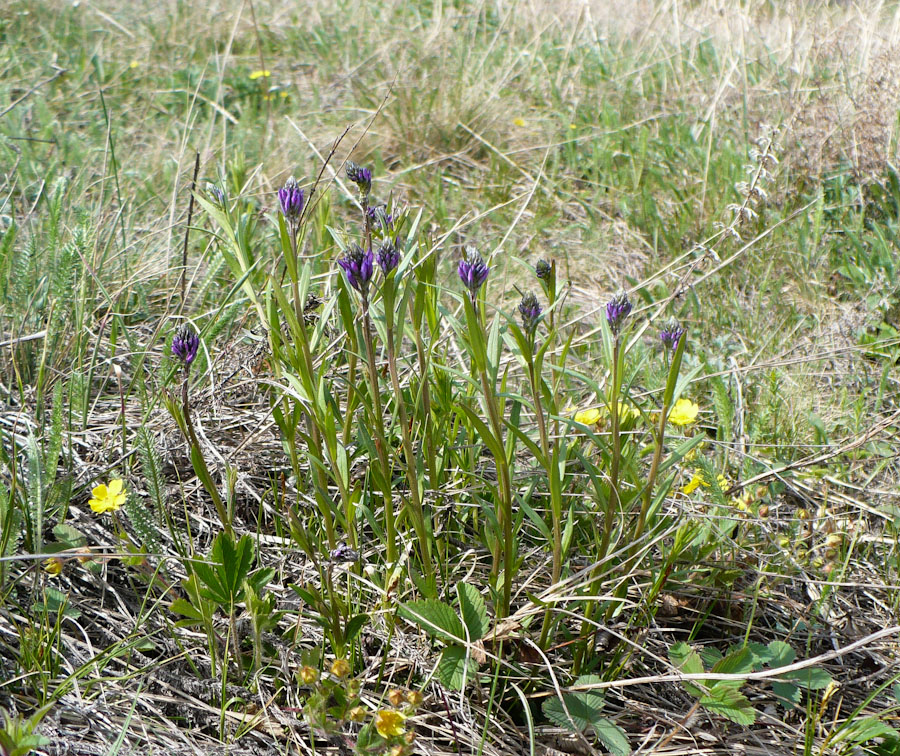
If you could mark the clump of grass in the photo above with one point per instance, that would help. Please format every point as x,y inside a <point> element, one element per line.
<point>386,460</point>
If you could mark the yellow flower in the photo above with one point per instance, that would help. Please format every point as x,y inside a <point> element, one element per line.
<point>254,75</point>
<point>133,64</point>
<point>699,480</point>
<point>572,126</point>
<point>53,566</point>
<point>694,483</point>
<point>340,668</point>
<point>587,416</point>
<point>519,122</point>
<point>684,412</point>
<point>108,498</point>
<point>389,723</point>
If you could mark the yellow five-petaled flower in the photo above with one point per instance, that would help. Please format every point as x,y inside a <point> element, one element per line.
<point>108,498</point>
<point>389,723</point>
<point>684,412</point>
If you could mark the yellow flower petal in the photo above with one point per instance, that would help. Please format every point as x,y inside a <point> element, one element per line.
<point>99,492</point>
<point>254,75</point>
<point>684,412</point>
<point>53,566</point>
<point>694,483</point>
<point>587,416</point>
<point>389,723</point>
<point>519,122</point>
<point>115,487</point>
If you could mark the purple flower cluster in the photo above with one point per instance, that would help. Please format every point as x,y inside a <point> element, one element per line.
<point>292,199</point>
<point>343,553</point>
<point>473,271</point>
<point>215,193</point>
<point>530,310</point>
<point>617,309</point>
<point>360,176</point>
<point>185,344</point>
<point>542,270</point>
<point>379,214</point>
<point>388,256</point>
<point>671,334</point>
<point>357,265</point>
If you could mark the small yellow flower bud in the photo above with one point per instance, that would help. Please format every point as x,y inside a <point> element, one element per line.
<point>396,698</point>
<point>308,675</point>
<point>53,566</point>
<point>357,714</point>
<point>834,541</point>
<point>414,698</point>
<point>340,668</point>
<point>784,542</point>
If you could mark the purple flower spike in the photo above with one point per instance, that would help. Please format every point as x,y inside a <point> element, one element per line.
<point>185,344</point>
<point>360,176</point>
<point>530,310</point>
<point>379,214</point>
<point>343,553</point>
<point>671,333</point>
<point>215,193</point>
<point>291,198</point>
<point>388,256</point>
<point>472,271</point>
<point>357,265</point>
<point>618,308</point>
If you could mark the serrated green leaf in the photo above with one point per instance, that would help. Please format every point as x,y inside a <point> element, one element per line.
<point>729,702</point>
<point>613,737</point>
<point>710,656</point>
<point>474,614</point>
<point>787,693</point>
<point>686,660</point>
<point>738,662</point>
<point>781,654</point>
<point>66,534</point>
<point>455,668</point>
<point>811,679</point>
<point>436,618</point>
<point>584,712</point>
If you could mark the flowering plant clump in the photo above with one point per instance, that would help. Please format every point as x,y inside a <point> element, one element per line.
<point>185,344</point>
<point>473,271</point>
<point>357,265</point>
<point>292,199</point>
<point>684,412</point>
<point>108,498</point>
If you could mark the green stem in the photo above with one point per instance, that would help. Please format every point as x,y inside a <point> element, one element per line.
<point>192,439</point>
<point>505,509</point>
<point>410,460</point>
<point>380,441</point>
